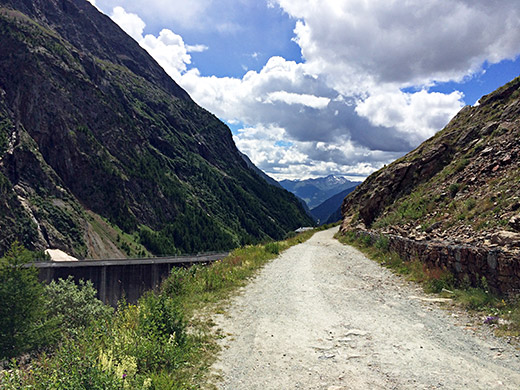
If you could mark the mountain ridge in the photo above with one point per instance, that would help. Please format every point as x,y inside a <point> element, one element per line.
<point>330,210</point>
<point>317,190</point>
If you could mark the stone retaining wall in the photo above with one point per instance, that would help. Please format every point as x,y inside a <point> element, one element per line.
<point>466,263</point>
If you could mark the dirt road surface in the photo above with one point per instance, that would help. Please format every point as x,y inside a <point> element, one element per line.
<point>322,316</point>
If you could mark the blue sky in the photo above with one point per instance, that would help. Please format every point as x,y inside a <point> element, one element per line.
<point>311,88</point>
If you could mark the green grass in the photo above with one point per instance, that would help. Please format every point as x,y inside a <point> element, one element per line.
<point>477,300</point>
<point>166,341</point>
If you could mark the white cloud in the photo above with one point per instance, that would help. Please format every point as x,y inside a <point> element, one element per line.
<point>93,2</point>
<point>297,98</point>
<point>168,48</point>
<point>406,43</point>
<point>169,51</point>
<point>196,48</point>
<point>342,109</point>
<point>132,24</point>
<point>419,115</point>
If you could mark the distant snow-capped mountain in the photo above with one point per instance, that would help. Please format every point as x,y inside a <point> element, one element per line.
<point>316,191</point>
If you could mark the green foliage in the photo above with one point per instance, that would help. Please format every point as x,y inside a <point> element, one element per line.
<point>441,281</point>
<point>453,189</point>
<point>177,236</point>
<point>461,164</point>
<point>160,332</point>
<point>382,243</point>
<point>272,247</point>
<point>5,127</point>
<point>475,298</point>
<point>470,204</point>
<point>74,366</point>
<point>143,346</point>
<point>75,305</point>
<point>411,208</point>
<point>23,321</point>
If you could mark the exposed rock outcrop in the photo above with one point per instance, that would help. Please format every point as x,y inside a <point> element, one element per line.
<point>461,187</point>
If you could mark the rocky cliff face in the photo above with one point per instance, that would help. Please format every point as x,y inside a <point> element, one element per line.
<point>460,187</point>
<point>101,153</point>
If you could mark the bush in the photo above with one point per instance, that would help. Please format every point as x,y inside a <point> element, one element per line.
<point>453,189</point>
<point>176,284</point>
<point>75,305</point>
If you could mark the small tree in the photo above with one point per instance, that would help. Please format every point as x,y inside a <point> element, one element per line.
<point>23,324</point>
<point>75,305</point>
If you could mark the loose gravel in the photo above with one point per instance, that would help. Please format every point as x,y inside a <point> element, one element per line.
<point>323,316</point>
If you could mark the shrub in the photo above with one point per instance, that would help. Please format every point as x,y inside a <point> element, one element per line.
<point>160,333</point>
<point>75,305</point>
<point>453,189</point>
<point>176,284</point>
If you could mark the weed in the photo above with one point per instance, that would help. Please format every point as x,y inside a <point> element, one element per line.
<point>453,189</point>
<point>272,247</point>
<point>382,243</point>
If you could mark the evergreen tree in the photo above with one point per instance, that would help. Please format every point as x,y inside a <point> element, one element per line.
<point>23,324</point>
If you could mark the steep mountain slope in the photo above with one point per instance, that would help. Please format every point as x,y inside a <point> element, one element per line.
<point>462,186</point>
<point>330,208</point>
<point>259,172</point>
<point>316,191</point>
<point>96,140</point>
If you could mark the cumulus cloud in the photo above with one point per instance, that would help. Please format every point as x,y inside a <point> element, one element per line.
<point>131,23</point>
<point>417,116</point>
<point>344,108</point>
<point>408,43</point>
<point>168,48</point>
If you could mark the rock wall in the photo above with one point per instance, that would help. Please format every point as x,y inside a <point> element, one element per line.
<point>466,263</point>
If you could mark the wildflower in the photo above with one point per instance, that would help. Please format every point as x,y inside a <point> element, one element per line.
<point>491,320</point>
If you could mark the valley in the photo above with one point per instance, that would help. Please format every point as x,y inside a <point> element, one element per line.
<point>221,276</point>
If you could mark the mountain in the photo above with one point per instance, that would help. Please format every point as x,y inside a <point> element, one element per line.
<point>462,186</point>
<point>259,172</point>
<point>103,154</point>
<point>330,210</point>
<point>316,191</point>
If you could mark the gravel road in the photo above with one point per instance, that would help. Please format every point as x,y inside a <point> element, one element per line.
<point>323,316</point>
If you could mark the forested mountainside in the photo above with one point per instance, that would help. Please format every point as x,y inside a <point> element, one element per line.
<point>462,186</point>
<point>102,154</point>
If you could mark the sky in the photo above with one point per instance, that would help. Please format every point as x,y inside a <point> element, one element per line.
<point>317,87</point>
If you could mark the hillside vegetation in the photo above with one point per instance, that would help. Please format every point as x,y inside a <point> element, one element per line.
<point>102,154</point>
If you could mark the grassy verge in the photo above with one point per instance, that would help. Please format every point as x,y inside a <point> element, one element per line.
<point>164,342</point>
<point>502,314</point>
